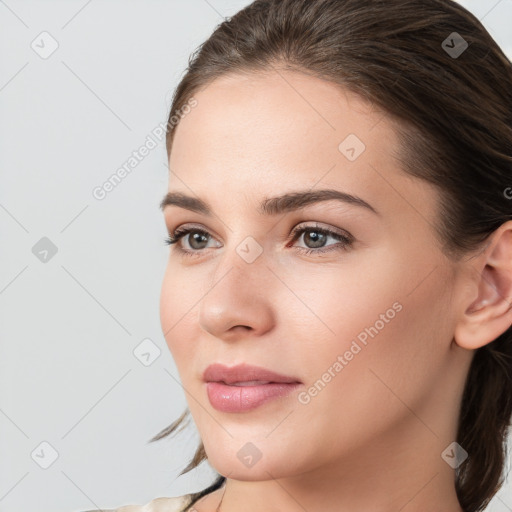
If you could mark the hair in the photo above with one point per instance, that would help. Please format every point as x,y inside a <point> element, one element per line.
<point>453,118</point>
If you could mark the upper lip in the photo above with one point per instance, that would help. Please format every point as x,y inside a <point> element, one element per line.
<point>243,373</point>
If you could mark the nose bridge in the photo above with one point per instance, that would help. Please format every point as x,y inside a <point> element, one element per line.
<point>243,266</point>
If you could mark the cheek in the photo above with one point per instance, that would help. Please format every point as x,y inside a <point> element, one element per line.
<point>179,293</point>
<point>383,317</point>
<point>334,305</point>
<point>389,346</point>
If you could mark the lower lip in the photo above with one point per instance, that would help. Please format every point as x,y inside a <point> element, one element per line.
<point>227,398</point>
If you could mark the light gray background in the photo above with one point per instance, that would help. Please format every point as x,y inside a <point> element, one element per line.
<point>69,325</point>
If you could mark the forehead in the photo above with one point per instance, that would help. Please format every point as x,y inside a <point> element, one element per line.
<point>278,113</point>
<point>286,130</point>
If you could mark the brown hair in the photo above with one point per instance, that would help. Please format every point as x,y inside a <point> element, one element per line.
<point>454,115</point>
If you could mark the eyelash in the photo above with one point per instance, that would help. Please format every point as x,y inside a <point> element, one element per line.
<point>345,241</point>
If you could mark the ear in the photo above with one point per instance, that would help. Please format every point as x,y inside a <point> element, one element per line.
<point>488,312</point>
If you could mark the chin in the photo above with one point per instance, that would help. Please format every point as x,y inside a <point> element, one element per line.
<point>244,461</point>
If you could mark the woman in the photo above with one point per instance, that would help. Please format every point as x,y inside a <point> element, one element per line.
<point>339,284</point>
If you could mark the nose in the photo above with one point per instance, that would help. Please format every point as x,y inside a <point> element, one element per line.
<point>240,299</point>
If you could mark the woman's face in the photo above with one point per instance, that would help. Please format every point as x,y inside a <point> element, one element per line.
<point>362,322</point>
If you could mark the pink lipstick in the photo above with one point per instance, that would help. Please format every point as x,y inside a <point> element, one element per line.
<point>244,387</point>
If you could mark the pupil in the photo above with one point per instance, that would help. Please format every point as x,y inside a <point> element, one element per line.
<point>197,237</point>
<point>318,236</point>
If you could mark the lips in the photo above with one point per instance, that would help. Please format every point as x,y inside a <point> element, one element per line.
<point>244,375</point>
<point>243,388</point>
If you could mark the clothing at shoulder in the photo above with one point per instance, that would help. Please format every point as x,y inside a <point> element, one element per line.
<point>175,504</point>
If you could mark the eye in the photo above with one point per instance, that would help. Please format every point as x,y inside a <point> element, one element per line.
<point>194,236</point>
<point>314,236</point>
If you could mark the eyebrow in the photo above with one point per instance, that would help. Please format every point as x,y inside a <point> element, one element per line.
<point>273,205</point>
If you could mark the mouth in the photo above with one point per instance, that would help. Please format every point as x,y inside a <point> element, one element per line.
<point>241,397</point>
<point>245,375</point>
<point>243,387</point>
<point>249,383</point>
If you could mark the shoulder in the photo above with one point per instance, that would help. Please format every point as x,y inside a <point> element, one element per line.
<point>174,504</point>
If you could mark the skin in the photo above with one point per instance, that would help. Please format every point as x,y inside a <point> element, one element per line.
<point>372,438</point>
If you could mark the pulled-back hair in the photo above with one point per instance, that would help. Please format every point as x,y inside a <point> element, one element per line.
<point>454,123</point>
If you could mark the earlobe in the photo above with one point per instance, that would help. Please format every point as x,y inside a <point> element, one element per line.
<point>489,314</point>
